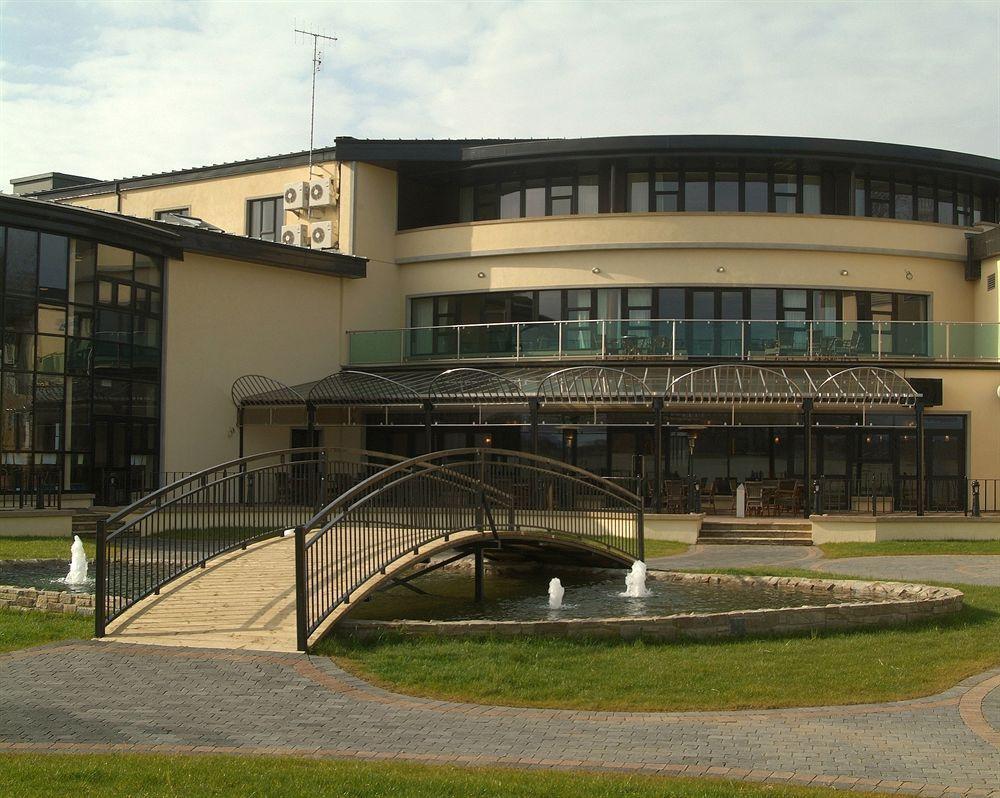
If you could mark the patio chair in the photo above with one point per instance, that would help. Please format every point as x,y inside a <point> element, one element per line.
<point>754,503</point>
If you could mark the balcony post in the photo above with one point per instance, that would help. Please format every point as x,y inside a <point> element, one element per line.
<point>517,341</point>
<point>604,339</point>
<point>810,339</point>
<point>918,409</point>
<point>878,338</point>
<point>947,341</point>
<point>402,345</point>
<point>559,326</point>
<point>673,339</point>
<point>458,343</point>
<point>533,410</point>
<point>743,340</point>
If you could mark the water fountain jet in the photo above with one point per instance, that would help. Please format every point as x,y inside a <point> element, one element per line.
<point>78,565</point>
<point>635,581</point>
<point>556,592</point>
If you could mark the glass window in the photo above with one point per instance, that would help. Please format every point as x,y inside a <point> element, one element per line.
<point>561,202</point>
<point>50,354</point>
<point>15,426</point>
<point>904,201</point>
<point>785,192</point>
<point>81,321</point>
<point>860,197</point>
<point>534,198</point>
<point>19,315</point>
<point>671,303</point>
<point>587,199</point>
<point>666,190</point>
<point>880,199</point>
<point>825,305</point>
<point>18,351</point>
<point>465,204</point>
<point>53,266</point>
<point>147,270</point>
<point>638,192</point>
<point>111,397</point>
<point>764,304</point>
<point>82,269</point>
<point>925,203</point>
<point>422,312</point>
<point>146,332</point>
<point>78,405</point>
<point>755,193</point>
<point>795,304</point>
<point>703,304</point>
<point>144,397</point>
<point>727,191</point>
<point>114,261</point>
<point>510,200</point>
<point>945,206</point>
<point>695,191</point>
<point>912,307</point>
<point>549,305</point>
<point>578,304</point>
<point>172,212</point>
<point>486,202</point>
<point>265,218</point>
<point>732,304</point>
<point>963,209</point>
<point>22,261</point>
<point>609,303</point>
<point>51,320</point>
<point>106,292</point>
<point>812,194</point>
<point>977,209</point>
<point>124,295</point>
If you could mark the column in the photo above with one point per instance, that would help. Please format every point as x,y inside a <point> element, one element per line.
<point>807,469</point>
<point>658,455</point>
<point>918,410</point>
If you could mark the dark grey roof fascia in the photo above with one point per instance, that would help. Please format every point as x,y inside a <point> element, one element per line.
<point>170,240</point>
<point>622,146</point>
<point>985,244</point>
<point>143,236</point>
<point>230,169</point>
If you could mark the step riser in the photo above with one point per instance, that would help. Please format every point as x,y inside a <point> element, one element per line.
<point>755,541</point>
<point>755,533</point>
<point>793,526</point>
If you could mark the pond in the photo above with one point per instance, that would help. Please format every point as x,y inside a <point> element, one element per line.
<point>44,575</point>
<point>589,594</point>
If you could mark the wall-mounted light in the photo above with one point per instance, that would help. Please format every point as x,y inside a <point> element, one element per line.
<point>487,440</point>
<point>844,272</point>
<point>596,270</point>
<point>909,275</point>
<point>721,269</point>
<point>481,275</point>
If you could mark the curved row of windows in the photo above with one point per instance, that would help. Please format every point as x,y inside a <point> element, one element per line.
<point>698,185</point>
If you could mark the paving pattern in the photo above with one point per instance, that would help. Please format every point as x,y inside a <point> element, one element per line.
<point>739,556</point>
<point>112,696</point>
<point>972,569</point>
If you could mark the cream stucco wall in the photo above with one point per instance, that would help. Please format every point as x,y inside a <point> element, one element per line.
<point>987,303</point>
<point>222,201</point>
<point>689,249</point>
<point>368,222</point>
<point>228,318</point>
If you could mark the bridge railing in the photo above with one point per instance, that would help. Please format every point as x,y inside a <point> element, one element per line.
<point>181,526</point>
<point>397,512</point>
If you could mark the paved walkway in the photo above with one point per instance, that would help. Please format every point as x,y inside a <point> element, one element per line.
<point>173,700</point>
<point>968,569</point>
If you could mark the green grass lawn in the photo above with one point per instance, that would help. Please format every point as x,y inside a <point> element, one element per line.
<point>890,548</point>
<point>831,668</point>
<point>663,548</point>
<point>24,547</point>
<point>23,629</point>
<point>151,776</point>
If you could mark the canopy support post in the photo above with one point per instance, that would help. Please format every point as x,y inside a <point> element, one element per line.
<point>807,469</point>
<point>429,427</point>
<point>533,409</point>
<point>918,410</point>
<point>658,454</point>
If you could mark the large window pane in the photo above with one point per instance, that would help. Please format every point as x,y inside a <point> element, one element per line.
<point>925,203</point>
<point>904,201</point>
<point>486,202</point>
<point>19,315</point>
<point>666,191</point>
<point>638,192</point>
<point>562,197</point>
<point>880,199</point>
<point>15,425</point>
<point>114,262</point>
<point>50,354</point>
<point>50,400</point>
<point>147,270</point>
<point>764,304</point>
<point>811,194</point>
<point>22,261</point>
<point>587,199</point>
<point>945,206</point>
<point>671,303</point>
<point>696,191</point>
<point>82,269</point>
<point>549,305</point>
<point>18,351</point>
<point>53,266</point>
<point>510,200</point>
<point>534,198</point>
<point>609,303</point>
<point>727,191</point>
<point>860,197</point>
<point>755,193</point>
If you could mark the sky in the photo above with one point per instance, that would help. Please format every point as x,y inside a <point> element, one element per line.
<point>115,89</point>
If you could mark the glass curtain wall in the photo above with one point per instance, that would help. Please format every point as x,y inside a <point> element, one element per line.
<point>80,379</point>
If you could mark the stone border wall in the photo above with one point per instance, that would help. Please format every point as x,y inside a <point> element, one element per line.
<point>14,597</point>
<point>888,603</point>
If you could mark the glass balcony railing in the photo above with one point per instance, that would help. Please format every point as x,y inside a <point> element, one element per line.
<point>681,339</point>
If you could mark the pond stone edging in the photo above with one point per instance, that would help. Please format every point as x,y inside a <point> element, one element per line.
<point>33,599</point>
<point>891,603</point>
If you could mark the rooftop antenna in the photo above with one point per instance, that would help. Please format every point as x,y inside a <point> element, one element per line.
<point>317,62</point>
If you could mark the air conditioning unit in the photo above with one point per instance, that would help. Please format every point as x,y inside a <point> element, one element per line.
<point>297,196</point>
<point>320,193</point>
<point>321,236</point>
<point>295,235</point>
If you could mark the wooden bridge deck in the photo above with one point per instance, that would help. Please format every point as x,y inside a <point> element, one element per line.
<point>244,599</point>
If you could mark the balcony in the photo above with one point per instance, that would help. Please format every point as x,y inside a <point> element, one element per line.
<point>681,339</point>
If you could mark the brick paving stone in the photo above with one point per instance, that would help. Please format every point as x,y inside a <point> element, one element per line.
<point>197,700</point>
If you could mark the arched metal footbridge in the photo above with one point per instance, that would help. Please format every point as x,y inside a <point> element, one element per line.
<point>270,551</point>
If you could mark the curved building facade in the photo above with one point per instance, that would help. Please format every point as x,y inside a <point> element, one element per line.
<point>616,268</point>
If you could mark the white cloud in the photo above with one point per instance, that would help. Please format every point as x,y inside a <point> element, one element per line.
<point>126,88</point>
